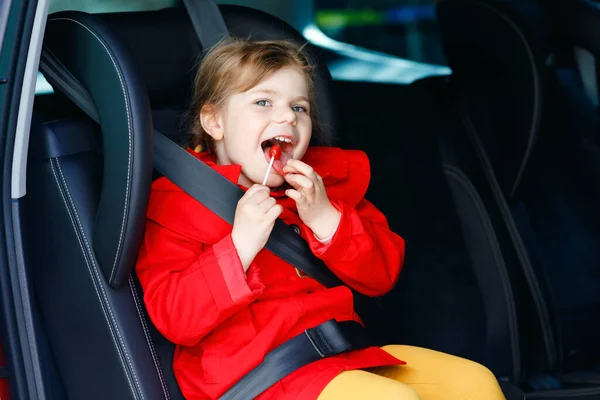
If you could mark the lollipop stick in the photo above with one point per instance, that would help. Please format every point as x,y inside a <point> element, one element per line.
<point>268,171</point>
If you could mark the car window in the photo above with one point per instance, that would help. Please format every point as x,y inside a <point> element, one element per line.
<point>404,28</point>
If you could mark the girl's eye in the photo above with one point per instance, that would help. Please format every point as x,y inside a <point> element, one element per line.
<point>263,103</point>
<point>299,109</point>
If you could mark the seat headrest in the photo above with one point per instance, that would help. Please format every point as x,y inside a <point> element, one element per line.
<point>168,53</point>
<point>100,62</point>
<point>497,51</point>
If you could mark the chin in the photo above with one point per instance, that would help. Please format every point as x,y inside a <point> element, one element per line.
<point>275,181</point>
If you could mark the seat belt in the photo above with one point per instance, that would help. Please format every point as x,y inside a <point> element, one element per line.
<point>207,21</point>
<point>221,196</point>
<point>325,340</point>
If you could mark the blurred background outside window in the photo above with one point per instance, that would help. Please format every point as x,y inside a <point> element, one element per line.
<point>403,28</point>
<point>388,41</point>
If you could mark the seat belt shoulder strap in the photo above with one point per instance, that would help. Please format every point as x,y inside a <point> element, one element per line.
<point>207,21</point>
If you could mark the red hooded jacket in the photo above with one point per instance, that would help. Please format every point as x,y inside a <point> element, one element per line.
<point>224,321</point>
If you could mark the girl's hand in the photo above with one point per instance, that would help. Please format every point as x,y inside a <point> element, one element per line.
<point>314,207</point>
<point>255,217</point>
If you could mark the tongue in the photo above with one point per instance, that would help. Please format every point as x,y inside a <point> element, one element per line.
<point>278,164</point>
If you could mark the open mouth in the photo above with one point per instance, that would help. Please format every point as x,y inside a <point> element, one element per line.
<point>286,144</point>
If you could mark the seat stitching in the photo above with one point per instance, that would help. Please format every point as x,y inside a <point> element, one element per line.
<point>77,234</point>
<point>95,270</point>
<point>121,235</point>
<point>537,98</point>
<point>148,338</point>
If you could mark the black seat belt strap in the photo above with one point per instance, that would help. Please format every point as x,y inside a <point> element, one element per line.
<point>208,22</point>
<point>325,340</point>
<point>60,77</point>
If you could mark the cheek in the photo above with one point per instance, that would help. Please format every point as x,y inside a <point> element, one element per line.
<point>306,132</point>
<point>240,147</point>
<point>301,149</point>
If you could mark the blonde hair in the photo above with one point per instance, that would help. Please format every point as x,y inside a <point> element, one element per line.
<point>237,65</point>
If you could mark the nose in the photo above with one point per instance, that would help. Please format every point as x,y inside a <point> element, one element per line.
<point>285,115</point>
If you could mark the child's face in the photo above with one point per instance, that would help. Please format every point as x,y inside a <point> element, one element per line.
<point>245,128</point>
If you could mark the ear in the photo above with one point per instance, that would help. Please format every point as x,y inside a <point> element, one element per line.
<point>210,118</point>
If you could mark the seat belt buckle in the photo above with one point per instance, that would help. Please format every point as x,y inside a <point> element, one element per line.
<point>327,339</point>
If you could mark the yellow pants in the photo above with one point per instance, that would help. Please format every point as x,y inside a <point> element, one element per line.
<point>428,375</point>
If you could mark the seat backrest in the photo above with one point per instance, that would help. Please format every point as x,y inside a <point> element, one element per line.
<point>519,105</point>
<point>88,189</point>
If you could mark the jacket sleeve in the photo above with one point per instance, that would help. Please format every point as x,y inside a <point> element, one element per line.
<point>190,288</point>
<point>364,253</point>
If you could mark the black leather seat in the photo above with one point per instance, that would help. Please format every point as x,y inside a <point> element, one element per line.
<point>87,193</point>
<point>88,188</point>
<point>533,125</point>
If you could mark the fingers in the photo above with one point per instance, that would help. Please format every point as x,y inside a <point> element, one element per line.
<point>300,182</point>
<point>254,189</point>
<point>303,178</point>
<point>274,212</point>
<point>297,166</point>
<point>295,195</point>
<point>257,202</point>
<point>264,206</point>
<point>305,181</point>
<point>260,197</point>
<point>255,194</point>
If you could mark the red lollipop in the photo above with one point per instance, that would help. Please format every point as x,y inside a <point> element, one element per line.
<point>275,152</point>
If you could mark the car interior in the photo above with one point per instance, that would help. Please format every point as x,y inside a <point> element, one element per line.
<point>491,173</point>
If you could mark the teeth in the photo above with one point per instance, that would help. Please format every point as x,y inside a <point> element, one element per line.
<point>282,139</point>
